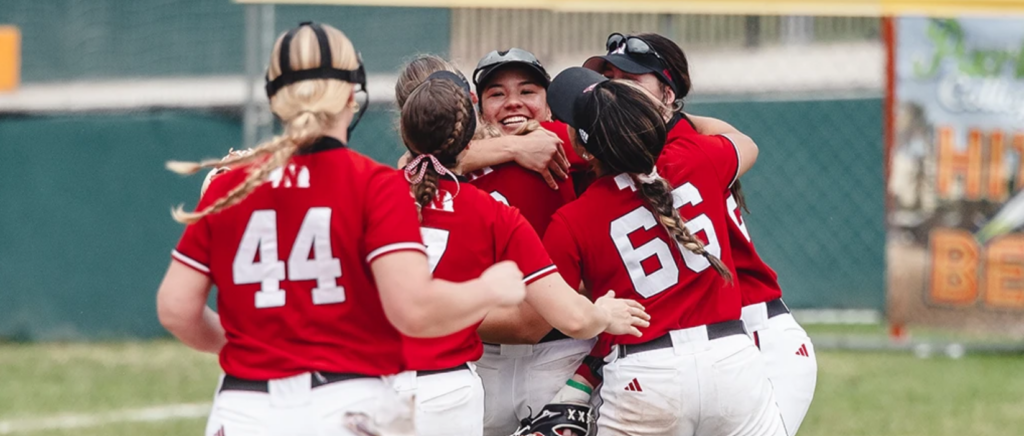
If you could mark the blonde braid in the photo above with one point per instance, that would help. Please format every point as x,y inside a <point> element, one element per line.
<point>658,196</point>
<point>302,131</point>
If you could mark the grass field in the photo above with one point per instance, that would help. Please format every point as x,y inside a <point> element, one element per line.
<point>858,393</point>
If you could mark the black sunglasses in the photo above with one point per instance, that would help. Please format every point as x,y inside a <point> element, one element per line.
<point>631,45</point>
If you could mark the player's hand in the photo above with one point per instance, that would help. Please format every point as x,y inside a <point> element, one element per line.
<point>541,151</point>
<point>625,316</point>
<point>506,281</point>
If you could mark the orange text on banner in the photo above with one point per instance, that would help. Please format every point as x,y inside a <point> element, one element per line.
<point>962,271</point>
<point>1004,273</point>
<point>954,272</point>
<point>981,164</point>
<point>10,58</point>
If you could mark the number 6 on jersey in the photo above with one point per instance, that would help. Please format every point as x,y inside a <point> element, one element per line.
<point>314,235</point>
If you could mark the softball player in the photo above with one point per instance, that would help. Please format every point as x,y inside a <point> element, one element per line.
<point>525,361</point>
<point>303,343</point>
<point>661,67</point>
<point>695,371</point>
<point>466,231</point>
<point>539,151</point>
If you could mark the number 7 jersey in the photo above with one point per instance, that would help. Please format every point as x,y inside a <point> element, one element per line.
<point>610,240</point>
<point>466,231</point>
<point>291,264</point>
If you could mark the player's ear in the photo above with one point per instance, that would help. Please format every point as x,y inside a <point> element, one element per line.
<point>472,96</point>
<point>670,96</point>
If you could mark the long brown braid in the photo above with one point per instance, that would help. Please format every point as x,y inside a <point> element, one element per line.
<point>627,137</point>
<point>679,68</point>
<point>306,109</point>
<point>658,195</point>
<point>436,121</point>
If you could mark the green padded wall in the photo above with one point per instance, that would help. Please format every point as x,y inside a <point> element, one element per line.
<point>94,39</point>
<point>85,228</point>
<point>816,196</point>
<point>85,231</point>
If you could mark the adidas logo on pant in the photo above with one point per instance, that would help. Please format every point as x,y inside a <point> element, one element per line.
<point>634,386</point>
<point>802,351</point>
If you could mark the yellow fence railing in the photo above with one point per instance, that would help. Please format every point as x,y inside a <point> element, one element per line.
<point>726,7</point>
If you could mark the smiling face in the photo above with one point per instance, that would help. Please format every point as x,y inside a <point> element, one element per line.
<point>512,97</point>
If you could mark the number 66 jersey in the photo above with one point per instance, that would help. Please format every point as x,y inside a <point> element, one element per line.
<point>291,263</point>
<point>610,240</point>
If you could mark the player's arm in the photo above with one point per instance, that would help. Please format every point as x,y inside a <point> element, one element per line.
<point>420,306</point>
<point>573,314</point>
<point>417,304</point>
<point>745,146</point>
<point>561,305</point>
<point>181,307</point>
<point>513,325</point>
<point>539,151</point>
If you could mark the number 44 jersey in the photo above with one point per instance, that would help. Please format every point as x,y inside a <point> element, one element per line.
<point>466,231</point>
<point>610,240</point>
<point>291,263</point>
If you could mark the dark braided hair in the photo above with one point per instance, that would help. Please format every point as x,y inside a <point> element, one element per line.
<point>627,137</point>
<point>436,120</point>
<point>674,59</point>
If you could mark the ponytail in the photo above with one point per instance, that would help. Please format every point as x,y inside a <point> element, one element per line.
<point>437,123</point>
<point>303,130</point>
<point>657,193</point>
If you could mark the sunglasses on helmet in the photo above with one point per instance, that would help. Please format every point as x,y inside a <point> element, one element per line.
<point>631,45</point>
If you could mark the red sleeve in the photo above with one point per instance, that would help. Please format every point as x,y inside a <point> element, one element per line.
<point>725,157</point>
<point>391,220</point>
<point>564,250</point>
<point>576,163</point>
<point>516,240</point>
<point>193,249</point>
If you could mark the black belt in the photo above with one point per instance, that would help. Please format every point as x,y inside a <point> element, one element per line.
<point>715,331</point>
<point>553,335</point>
<point>442,371</point>
<point>317,379</point>
<point>776,307</point>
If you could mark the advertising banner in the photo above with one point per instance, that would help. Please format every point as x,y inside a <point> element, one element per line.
<point>955,204</point>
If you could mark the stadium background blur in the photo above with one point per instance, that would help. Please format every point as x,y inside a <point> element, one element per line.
<point>110,90</point>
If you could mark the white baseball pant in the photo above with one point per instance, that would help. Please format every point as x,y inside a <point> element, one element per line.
<point>292,407</point>
<point>447,403</point>
<point>521,378</point>
<point>788,356</point>
<point>695,387</point>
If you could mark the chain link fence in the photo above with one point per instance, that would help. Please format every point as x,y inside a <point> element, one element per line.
<point>807,89</point>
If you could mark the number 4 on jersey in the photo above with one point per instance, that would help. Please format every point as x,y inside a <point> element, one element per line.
<point>314,236</point>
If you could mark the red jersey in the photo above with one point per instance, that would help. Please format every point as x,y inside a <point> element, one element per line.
<point>757,281</point>
<point>291,264</point>
<point>525,190</point>
<point>611,241</point>
<point>464,236</point>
